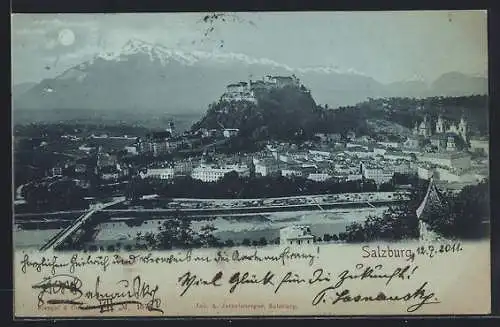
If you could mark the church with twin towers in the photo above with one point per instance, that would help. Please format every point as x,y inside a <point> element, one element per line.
<point>446,135</point>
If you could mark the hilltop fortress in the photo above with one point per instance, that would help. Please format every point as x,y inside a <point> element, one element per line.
<point>245,91</point>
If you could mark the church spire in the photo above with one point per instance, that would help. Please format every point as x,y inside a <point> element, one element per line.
<point>440,125</point>
<point>462,128</point>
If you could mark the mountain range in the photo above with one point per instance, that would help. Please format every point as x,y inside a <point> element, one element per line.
<point>149,77</point>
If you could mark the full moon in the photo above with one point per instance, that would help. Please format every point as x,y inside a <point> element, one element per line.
<point>66,37</point>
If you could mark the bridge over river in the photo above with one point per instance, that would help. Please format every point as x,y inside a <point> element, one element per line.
<point>60,237</point>
<point>250,209</point>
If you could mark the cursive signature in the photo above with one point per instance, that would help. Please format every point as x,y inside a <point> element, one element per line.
<point>60,288</point>
<point>421,295</point>
<point>68,289</point>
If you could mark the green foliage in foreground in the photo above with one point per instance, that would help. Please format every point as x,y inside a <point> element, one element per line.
<point>464,217</point>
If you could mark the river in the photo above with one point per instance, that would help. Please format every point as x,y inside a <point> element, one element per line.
<point>235,227</point>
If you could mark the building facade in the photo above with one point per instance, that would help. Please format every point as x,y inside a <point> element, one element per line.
<point>379,174</point>
<point>207,174</point>
<point>266,167</point>
<point>296,235</point>
<point>412,142</point>
<point>291,172</point>
<point>319,177</point>
<point>158,173</point>
<point>183,168</point>
<point>442,127</point>
<point>457,162</point>
<point>57,171</point>
<point>106,160</point>
<point>131,150</point>
<point>425,172</point>
<point>480,145</point>
<point>239,92</point>
<point>230,132</point>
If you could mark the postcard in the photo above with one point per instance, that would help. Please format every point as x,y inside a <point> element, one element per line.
<point>250,164</point>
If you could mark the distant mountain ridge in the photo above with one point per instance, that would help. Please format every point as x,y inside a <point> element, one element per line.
<point>452,84</point>
<point>20,88</point>
<point>149,77</point>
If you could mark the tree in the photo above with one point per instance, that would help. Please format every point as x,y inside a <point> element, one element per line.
<point>175,233</point>
<point>464,213</point>
<point>471,209</point>
<point>229,243</point>
<point>355,232</point>
<point>150,240</point>
<point>133,189</point>
<point>262,241</point>
<point>206,236</point>
<point>246,242</point>
<point>403,179</point>
<point>369,185</point>
<point>396,223</point>
<point>386,187</point>
<point>230,177</point>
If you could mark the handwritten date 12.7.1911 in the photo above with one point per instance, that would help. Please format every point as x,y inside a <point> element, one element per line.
<point>433,250</point>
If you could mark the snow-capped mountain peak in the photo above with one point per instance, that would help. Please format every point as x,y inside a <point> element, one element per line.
<point>137,44</point>
<point>150,76</point>
<point>154,51</point>
<point>165,54</point>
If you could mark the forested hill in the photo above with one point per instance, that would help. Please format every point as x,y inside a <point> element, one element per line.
<point>406,111</point>
<point>291,112</point>
<point>278,113</point>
